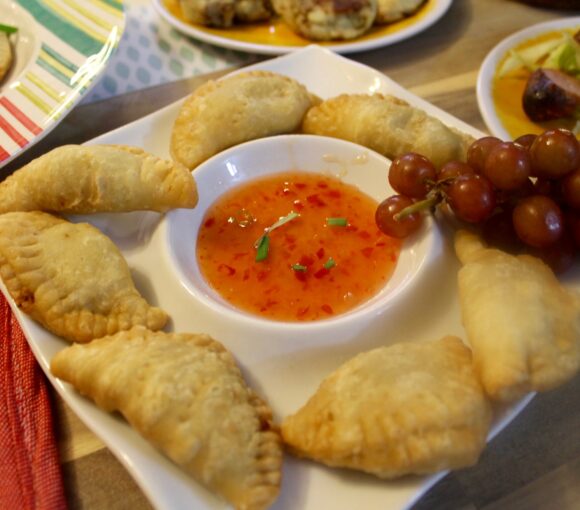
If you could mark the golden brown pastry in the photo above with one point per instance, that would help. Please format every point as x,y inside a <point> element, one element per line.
<point>326,20</point>
<point>389,11</point>
<point>522,324</point>
<point>249,11</point>
<point>70,277</point>
<point>225,13</point>
<point>223,113</point>
<point>185,394</point>
<point>98,178</point>
<point>387,125</point>
<point>407,408</point>
<point>5,55</point>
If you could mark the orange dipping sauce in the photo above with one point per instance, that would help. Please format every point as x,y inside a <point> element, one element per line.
<point>364,258</point>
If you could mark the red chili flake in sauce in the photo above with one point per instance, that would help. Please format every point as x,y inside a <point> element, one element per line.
<point>227,270</point>
<point>271,288</point>
<point>302,311</point>
<point>300,275</point>
<point>328,309</point>
<point>315,200</point>
<point>321,272</point>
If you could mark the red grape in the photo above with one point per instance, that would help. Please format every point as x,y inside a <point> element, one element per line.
<point>559,256</point>
<point>507,166</point>
<point>555,153</point>
<point>471,197</point>
<point>479,150</point>
<point>452,169</point>
<point>410,175</point>
<point>525,141</point>
<point>385,217</point>
<point>571,189</point>
<point>498,231</point>
<point>538,221</point>
<point>573,226</point>
<point>545,186</point>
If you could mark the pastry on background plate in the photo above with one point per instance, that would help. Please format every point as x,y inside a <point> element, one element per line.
<point>236,109</point>
<point>70,278</point>
<point>327,20</point>
<point>387,125</point>
<point>185,394</point>
<point>389,11</point>
<point>225,13</point>
<point>522,324</point>
<point>85,179</point>
<point>407,408</point>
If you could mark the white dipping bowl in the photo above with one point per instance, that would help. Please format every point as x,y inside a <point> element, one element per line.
<point>351,163</point>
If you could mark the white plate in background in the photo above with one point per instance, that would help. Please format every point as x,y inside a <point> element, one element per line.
<point>489,66</point>
<point>261,37</point>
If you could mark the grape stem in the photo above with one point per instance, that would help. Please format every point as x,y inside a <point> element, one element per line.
<point>433,198</point>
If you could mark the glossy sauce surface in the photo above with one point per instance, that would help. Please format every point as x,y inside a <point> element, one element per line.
<point>276,33</point>
<point>364,258</point>
<point>508,91</point>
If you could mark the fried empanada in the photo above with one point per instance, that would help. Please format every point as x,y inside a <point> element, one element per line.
<point>70,278</point>
<point>185,394</point>
<point>98,178</point>
<point>406,408</point>
<point>522,324</point>
<point>223,113</point>
<point>5,54</point>
<point>387,125</point>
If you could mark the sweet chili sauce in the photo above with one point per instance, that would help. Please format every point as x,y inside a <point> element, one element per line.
<point>313,270</point>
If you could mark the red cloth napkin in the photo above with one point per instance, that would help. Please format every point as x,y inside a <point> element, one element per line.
<point>30,475</point>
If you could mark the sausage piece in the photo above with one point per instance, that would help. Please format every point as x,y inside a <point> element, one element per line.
<point>551,94</point>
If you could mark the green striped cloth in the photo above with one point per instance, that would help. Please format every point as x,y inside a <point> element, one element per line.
<point>151,52</point>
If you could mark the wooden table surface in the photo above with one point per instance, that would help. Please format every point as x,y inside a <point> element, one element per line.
<point>535,462</point>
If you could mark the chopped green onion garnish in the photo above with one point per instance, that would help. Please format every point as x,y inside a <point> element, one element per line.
<point>329,263</point>
<point>279,223</point>
<point>283,221</point>
<point>262,248</point>
<point>336,222</point>
<point>299,267</point>
<point>9,29</point>
<point>263,242</point>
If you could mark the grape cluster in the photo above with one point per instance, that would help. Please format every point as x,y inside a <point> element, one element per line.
<point>524,194</point>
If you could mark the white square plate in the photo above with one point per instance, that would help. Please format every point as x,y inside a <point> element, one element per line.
<point>270,364</point>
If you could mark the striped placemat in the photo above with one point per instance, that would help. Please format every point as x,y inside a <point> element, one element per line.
<point>152,52</point>
<point>73,40</point>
